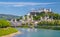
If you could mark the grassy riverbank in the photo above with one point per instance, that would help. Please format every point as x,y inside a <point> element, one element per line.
<point>51,27</point>
<point>6,31</point>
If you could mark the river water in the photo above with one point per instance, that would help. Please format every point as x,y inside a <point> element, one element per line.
<point>38,33</point>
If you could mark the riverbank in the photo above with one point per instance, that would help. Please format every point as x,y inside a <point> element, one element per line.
<point>49,27</point>
<point>9,31</point>
<point>42,27</point>
<point>11,35</point>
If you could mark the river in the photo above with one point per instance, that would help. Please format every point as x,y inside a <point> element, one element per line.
<point>38,33</point>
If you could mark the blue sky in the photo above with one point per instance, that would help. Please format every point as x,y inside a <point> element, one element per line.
<point>22,7</point>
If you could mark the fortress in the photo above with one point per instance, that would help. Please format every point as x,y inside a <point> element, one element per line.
<point>36,12</point>
<point>42,10</point>
<point>33,12</point>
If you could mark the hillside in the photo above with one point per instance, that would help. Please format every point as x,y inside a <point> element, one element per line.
<point>6,16</point>
<point>38,15</point>
<point>50,14</point>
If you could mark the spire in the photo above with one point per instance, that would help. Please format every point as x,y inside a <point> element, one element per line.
<point>23,18</point>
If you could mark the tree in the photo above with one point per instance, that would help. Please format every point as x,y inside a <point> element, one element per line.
<point>21,17</point>
<point>4,23</point>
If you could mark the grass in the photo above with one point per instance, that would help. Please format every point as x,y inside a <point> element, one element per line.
<point>46,27</point>
<point>6,31</point>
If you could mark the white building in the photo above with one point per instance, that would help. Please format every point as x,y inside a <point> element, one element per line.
<point>46,18</point>
<point>41,10</point>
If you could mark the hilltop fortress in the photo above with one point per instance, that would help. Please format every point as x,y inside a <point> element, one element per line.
<point>36,12</point>
<point>33,12</point>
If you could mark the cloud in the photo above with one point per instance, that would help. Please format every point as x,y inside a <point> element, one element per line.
<point>18,4</point>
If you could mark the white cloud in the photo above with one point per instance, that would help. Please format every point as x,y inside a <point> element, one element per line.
<point>17,4</point>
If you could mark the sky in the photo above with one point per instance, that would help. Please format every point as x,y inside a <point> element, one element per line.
<point>22,7</point>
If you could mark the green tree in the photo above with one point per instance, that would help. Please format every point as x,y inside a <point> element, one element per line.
<point>21,17</point>
<point>4,23</point>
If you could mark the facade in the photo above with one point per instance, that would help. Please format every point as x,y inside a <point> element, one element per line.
<point>34,12</point>
<point>46,18</point>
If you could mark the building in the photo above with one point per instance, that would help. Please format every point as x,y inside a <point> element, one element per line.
<point>46,18</point>
<point>35,12</point>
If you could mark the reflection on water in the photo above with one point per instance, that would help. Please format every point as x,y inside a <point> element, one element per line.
<point>38,33</point>
<point>31,30</point>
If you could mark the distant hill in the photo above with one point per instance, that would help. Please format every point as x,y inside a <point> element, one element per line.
<point>8,17</point>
